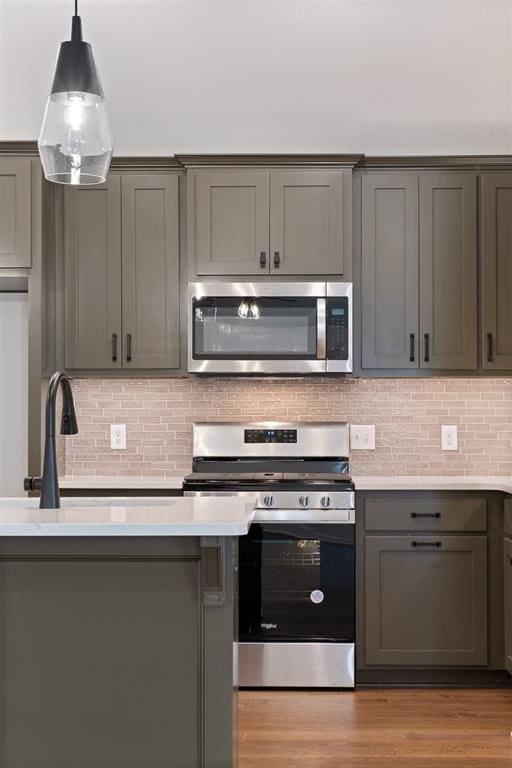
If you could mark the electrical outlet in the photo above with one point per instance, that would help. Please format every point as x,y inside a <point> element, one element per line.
<point>117,437</point>
<point>362,437</point>
<point>449,439</point>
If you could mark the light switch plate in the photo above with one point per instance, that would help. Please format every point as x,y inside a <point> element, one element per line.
<point>362,437</point>
<point>449,438</point>
<point>118,437</point>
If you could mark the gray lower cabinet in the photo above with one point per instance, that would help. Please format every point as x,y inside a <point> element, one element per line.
<point>306,223</point>
<point>110,656</point>
<point>419,271</point>
<point>92,275</point>
<point>121,274</point>
<point>15,212</point>
<point>260,222</point>
<point>426,600</point>
<point>507,573</point>
<point>496,279</point>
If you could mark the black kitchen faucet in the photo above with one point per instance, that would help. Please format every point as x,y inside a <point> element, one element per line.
<point>48,484</point>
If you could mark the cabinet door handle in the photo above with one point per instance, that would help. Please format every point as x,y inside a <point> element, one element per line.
<point>128,347</point>
<point>277,259</point>
<point>426,514</point>
<point>263,259</point>
<point>412,353</point>
<point>490,348</point>
<point>436,544</point>
<point>114,347</point>
<point>426,338</point>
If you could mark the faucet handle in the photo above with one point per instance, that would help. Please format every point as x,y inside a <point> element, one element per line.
<point>33,483</point>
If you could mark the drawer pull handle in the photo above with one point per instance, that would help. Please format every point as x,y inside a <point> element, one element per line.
<point>437,544</point>
<point>277,259</point>
<point>263,260</point>
<point>412,353</point>
<point>128,347</point>
<point>436,515</point>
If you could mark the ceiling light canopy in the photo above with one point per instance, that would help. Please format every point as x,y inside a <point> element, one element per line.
<point>75,143</point>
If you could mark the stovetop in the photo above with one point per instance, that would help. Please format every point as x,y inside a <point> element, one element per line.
<point>293,481</point>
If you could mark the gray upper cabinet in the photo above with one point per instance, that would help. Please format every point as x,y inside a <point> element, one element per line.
<point>15,212</point>
<point>419,271</point>
<point>390,301</point>
<point>448,271</point>
<point>121,274</point>
<point>231,222</point>
<point>306,223</point>
<point>426,600</point>
<point>261,222</point>
<point>92,275</point>
<point>150,272</point>
<point>508,603</point>
<point>496,233</point>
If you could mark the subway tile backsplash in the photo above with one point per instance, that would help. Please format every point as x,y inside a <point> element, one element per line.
<point>407,413</point>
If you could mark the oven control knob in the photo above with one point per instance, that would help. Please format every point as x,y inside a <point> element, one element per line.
<point>325,501</point>
<point>304,501</point>
<point>268,501</point>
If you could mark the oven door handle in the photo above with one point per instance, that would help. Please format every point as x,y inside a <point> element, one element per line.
<point>321,330</point>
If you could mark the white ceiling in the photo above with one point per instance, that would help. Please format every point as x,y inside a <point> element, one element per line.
<point>373,76</point>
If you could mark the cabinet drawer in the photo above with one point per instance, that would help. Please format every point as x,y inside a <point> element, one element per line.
<point>399,514</point>
<point>508,517</point>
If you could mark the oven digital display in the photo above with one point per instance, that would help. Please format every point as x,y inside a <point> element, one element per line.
<point>270,435</point>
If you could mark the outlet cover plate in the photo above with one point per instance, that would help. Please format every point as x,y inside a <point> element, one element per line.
<point>118,437</point>
<point>362,437</point>
<point>449,438</point>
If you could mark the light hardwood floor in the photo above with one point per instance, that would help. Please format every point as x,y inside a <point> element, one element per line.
<point>407,728</point>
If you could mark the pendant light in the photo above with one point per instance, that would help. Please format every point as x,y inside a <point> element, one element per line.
<point>75,144</point>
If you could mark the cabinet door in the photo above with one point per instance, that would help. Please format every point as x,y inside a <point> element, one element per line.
<point>232,222</point>
<point>426,600</point>
<point>306,223</point>
<point>92,267</point>
<point>389,244</point>
<point>448,271</point>
<point>150,271</point>
<point>15,212</point>
<point>508,604</point>
<point>497,270</point>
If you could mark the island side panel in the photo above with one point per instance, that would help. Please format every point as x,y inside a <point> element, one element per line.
<point>102,655</point>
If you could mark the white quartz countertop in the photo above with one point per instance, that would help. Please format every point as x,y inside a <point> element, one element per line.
<point>122,483</point>
<point>176,516</point>
<point>386,483</point>
<point>362,483</point>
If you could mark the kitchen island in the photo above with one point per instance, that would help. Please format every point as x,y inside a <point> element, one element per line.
<point>118,632</point>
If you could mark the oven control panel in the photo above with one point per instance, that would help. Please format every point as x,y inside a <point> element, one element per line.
<point>337,328</point>
<point>270,435</point>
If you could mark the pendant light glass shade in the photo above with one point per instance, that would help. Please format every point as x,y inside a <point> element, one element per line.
<point>75,144</point>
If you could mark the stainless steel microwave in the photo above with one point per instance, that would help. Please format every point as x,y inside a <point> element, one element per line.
<point>270,328</point>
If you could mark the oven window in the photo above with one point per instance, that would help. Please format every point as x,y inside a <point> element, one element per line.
<point>254,328</point>
<point>297,583</point>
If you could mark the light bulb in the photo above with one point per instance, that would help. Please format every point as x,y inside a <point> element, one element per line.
<point>254,310</point>
<point>243,309</point>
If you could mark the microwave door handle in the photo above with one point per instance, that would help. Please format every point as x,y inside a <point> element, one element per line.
<point>320,329</point>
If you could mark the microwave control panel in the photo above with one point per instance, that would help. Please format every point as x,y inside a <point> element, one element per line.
<point>337,328</point>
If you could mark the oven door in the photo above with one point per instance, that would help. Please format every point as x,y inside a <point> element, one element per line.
<point>257,328</point>
<point>297,583</point>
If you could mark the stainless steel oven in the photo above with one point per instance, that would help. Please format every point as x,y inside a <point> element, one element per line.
<point>270,327</point>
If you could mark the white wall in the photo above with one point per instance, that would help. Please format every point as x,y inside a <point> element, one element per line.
<point>13,392</point>
<point>377,76</point>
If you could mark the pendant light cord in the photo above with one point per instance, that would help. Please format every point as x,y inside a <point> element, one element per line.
<point>76,7</point>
